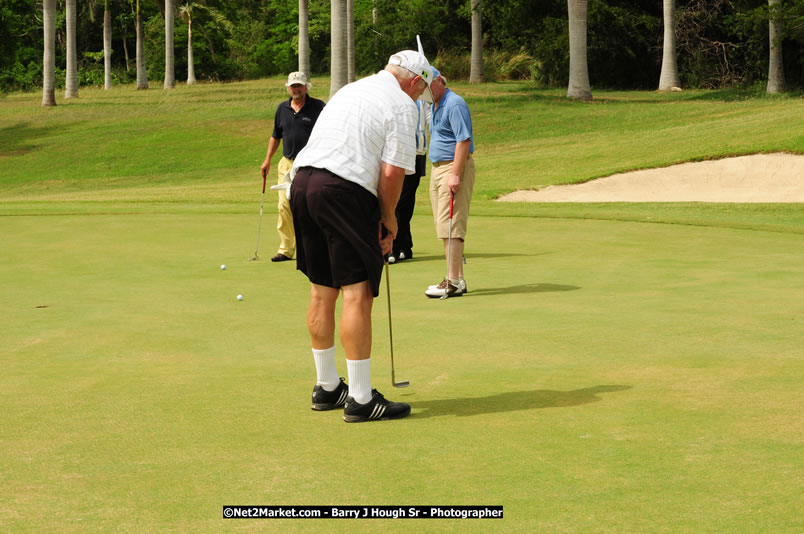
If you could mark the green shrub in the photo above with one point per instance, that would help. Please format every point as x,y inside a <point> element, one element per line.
<point>498,65</point>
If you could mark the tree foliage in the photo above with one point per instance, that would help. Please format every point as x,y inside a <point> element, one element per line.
<point>720,42</point>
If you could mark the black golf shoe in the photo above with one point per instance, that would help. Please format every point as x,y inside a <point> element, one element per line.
<point>377,409</point>
<point>329,400</point>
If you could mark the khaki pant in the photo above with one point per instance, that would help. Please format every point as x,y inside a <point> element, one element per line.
<point>439,198</point>
<point>284,223</point>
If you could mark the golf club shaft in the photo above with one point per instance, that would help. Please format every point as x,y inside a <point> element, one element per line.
<point>449,246</point>
<point>404,383</point>
<point>259,226</point>
<point>390,328</point>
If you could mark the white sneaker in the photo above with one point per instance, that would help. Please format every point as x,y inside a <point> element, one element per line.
<point>450,289</point>
<point>391,259</point>
<point>401,256</point>
<point>461,285</point>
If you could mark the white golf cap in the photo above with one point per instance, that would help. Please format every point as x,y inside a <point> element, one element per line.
<point>414,62</point>
<point>298,77</point>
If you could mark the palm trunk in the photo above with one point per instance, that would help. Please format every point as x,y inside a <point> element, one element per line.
<point>107,48</point>
<point>125,49</point>
<point>337,46</point>
<point>669,76</point>
<point>170,70</point>
<point>142,74</point>
<point>49,56</point>
<point>776,65</point>
<point>71,84</point>
<point>476,74</point>
<point>304,38</point>
<point>579,71</point>
<point>350,41</point>
<point>190,65</point>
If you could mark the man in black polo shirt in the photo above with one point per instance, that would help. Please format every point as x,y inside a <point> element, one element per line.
<point>293,122</point>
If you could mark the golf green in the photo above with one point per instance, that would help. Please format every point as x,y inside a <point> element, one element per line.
<point>600,375</point>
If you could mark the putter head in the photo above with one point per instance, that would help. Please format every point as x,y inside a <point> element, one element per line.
<point>401,383</point>
<point>255,258</point>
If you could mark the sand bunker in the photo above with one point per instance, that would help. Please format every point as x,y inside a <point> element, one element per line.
<point>757,178</point>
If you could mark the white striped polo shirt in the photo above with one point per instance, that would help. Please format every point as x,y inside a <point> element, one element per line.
<point>367,122</point>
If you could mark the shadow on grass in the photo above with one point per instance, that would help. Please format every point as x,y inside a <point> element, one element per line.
<point>15,139</point>
<point>524,288</point>
<point>512,402</point>
<point>492,255</point>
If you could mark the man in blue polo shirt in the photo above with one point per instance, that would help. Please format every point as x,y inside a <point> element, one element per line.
<point>293,122</point>
<point>452,178</point>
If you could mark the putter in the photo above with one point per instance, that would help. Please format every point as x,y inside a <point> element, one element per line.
<point>259,228</point>
<point>449,246</point>
<point>404,383</point>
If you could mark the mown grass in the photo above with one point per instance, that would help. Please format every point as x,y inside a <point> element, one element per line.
<point>614,368</point>
<point>142,145</point>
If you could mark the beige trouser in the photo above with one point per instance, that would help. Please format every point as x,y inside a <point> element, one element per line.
<point>439,198</point>
<point>284,223</point>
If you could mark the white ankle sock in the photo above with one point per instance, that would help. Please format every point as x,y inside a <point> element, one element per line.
<point>326,372</point>
<point>359,379</point>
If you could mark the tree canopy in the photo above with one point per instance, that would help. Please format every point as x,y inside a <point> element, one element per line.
<point>720,42</point>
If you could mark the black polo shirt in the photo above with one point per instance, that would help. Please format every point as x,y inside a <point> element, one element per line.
<point>295,128</point>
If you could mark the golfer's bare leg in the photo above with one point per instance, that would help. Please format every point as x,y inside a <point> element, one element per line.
<point>355,329</point>
<point>455,257</point>
<point>363,404</point>
<point>321,316</point>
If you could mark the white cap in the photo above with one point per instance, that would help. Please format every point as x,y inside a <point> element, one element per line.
<point>298,77</point>
<point>414,62</point>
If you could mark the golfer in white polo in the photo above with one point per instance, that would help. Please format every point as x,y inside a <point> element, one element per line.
<point>346,184</point>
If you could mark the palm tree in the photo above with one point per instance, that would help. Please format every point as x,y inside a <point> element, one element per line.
<point>71,84</point>
<point>125,44</point>
<point>49,59</point>
<point>775,66</point>
<point>669,76</point>
<point>170,71</point>
<point>476,71</point>
<point>337,46</point>
<point>350,41</point>
<point>189,10</point>
<point>142,74</point>
<point>107,39</point>
<point>107,45</point>
<point>186,14</point>
<point>579,71</point>
<point>304,38</point>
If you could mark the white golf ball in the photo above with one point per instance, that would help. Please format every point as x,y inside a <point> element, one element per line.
<point>239,297</point>
<point>223,267</point>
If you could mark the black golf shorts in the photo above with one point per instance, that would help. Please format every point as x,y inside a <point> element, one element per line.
<point>336,223</point>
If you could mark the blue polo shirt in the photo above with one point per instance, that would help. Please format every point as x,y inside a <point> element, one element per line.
<point>295,128</point>
<point>450,123</point>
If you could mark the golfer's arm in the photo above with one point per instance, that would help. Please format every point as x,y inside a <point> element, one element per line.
<point>461,154</point>
<point>389,190</point>
<point>273,144</point>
